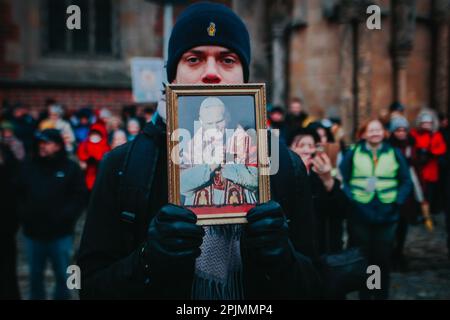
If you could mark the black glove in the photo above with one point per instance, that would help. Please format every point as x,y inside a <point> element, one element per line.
<point>266,237</point>
<point>173,239</point>
<point>92,161</point>
<point>423,155</point>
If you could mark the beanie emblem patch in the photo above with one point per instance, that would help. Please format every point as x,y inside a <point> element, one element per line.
<point>211,29</point>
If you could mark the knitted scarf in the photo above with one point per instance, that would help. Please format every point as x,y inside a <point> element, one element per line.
<point>218,270</point>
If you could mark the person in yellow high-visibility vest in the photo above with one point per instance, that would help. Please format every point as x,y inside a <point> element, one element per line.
<point>377,181</point>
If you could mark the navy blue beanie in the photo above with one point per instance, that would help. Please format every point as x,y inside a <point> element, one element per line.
<point>208,23</point>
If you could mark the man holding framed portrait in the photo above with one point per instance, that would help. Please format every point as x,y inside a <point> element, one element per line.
<point>141,241</point>
<point>218,174</point>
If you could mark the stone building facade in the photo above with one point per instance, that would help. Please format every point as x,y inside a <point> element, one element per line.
<point>319,50</point>
<point>323,52</point>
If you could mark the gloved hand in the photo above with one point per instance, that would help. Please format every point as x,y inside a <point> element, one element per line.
<point>92,161</point>
<point>423,155</point>
<point>173,238</point>
<point>265,237</point>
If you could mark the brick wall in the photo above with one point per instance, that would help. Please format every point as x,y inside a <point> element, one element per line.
<point>71,98</point>
<point>8,32</point>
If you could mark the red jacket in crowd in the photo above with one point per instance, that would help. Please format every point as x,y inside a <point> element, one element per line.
<point>92,151</point>
<point>434,143</point>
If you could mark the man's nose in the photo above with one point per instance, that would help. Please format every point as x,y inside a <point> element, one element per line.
<point>211,74</point>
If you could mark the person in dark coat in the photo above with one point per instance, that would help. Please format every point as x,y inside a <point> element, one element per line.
<point>166,255</point>
<point>330,203</point>
<point>445,168</point>
<point>52,195</point>
<point>276,120</point>
<point>409,212</point>
<point>9,288</point>
<point>296,116</point>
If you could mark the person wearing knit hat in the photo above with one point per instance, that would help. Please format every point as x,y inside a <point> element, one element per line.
<point>50,135</point>
<point>165,254</point>
<point>209,44</point>
<point>208,24</point>
<point>427,120</point>
<point>401,139</point>
<point>430,146</point>
<point>215,34</point>
<point>398,122</point>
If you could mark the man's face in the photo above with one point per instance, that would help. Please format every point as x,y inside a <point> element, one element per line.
<point>213,118</point>
<point>8,134</point>
<point>133,127</point>
<point>84,121</point>
<point>277,117</point>
<point>20,112</point>
<point>48,149</point>
<point>119,138</point>
<point>115,123</point>
<point>401,133</point>
<point>209,65</point>
<point>148,116</point>
<point>295,108</point>
<point>54,116</point>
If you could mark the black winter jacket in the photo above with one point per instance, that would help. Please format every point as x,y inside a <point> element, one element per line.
<point>111,261</point>
<point>330,210</point>
<point>8,169</point>
<point>52,195</point>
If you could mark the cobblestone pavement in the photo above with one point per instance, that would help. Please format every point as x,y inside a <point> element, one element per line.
<point>427,277</point>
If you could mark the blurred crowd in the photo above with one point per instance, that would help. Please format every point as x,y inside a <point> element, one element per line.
<point>48,165</point>
<point>366,194</point>
<point>396,174</point>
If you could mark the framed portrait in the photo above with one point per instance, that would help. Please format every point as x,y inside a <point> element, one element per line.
<point>217,150</point>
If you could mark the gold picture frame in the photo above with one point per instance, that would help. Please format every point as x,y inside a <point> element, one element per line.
<point>188,94</point>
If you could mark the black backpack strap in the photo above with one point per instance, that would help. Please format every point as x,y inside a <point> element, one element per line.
<point>136,177</point>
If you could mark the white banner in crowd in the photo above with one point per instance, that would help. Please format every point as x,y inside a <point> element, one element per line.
<point>147,79</point>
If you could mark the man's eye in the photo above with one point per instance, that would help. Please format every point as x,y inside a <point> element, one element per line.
<point>193,60</point>
<point>228,60</point>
